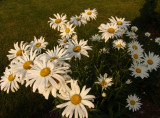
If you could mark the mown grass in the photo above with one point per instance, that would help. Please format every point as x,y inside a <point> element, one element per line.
<point>23,19</point>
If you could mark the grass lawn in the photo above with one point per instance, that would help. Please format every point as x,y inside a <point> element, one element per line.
<point>23,19</point>
<point>20,20</point>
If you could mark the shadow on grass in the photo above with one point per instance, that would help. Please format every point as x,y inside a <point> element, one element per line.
<point>149,18</point>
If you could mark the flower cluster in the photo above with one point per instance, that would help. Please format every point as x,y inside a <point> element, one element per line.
<point>49,72</point>
<point>142,62</point>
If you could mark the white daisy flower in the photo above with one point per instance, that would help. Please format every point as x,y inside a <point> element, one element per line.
<point>157,40</point>
<point>75,49</point>
<point>134,28</point>
<point>96,37</point>
<point>23,63</point>
<point>74,37</point>
<point>131,35</point>
<point>137,55</point>
<point>89,14</point>
<point>139,70</point>
<point>119,44</point>
<point>77,100</point>
<point>57,54</point>
<point>104,81</point>
<point>9,81</point>
<point>62,87</point>
<point>134,103</point>
<point>104,50</point>
<point>78,20</point>
<point>152,61</point>
<point>42,73</point>
<point>147,34</point>
<point>63,42</point>
<point>38,58</point>
<point>122,32</point>
<point>67,77</point>
<point>134,46</point>
<point>109,30</point>
<point>18,50</point>
<point>122,24</point>
<point>58,21</point>
<point>128,81</point>
<point>38,44</point>
<point>50,89</point>
<point>67,30</point>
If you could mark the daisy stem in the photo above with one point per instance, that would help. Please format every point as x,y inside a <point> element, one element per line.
<point>117,60</point>
<point>117,79</point>
<point>102,102</point>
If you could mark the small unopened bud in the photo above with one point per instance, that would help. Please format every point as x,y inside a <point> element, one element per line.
<point>104,94</point>
<point>128,81</point>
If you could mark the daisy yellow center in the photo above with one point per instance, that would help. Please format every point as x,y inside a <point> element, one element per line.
<point>89,13</point>
<point>76,99</point>
<point>138,70</point>
<point>111,30</point>
<point>19,53</point>
<point>134,29</point>
<point>95,39</point>
<point>78,19</point>
<point>27,64</point>
<point>135,47</point>
<point>53,58</point>
<point>158,40</point>
<point>147,34</point>
<point>122,31</point>
<point>103,83</point>
<point>119,45</point>
<point>135,56</point>
<point>58,21</point>
<point>131,35</point>
<point>11,78</point>
<point>45,72</point>
<point>77,49</point>
<point>65,41</point>
<point>38,45</point>
<point>132,102</point>
<point>119,23</point>
<point>150,62</point>
<point>67,30</point>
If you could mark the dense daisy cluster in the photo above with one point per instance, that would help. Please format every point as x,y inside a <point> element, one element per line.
<point>142,62</point>
<point>66,27</point>
<point>48,71</point>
